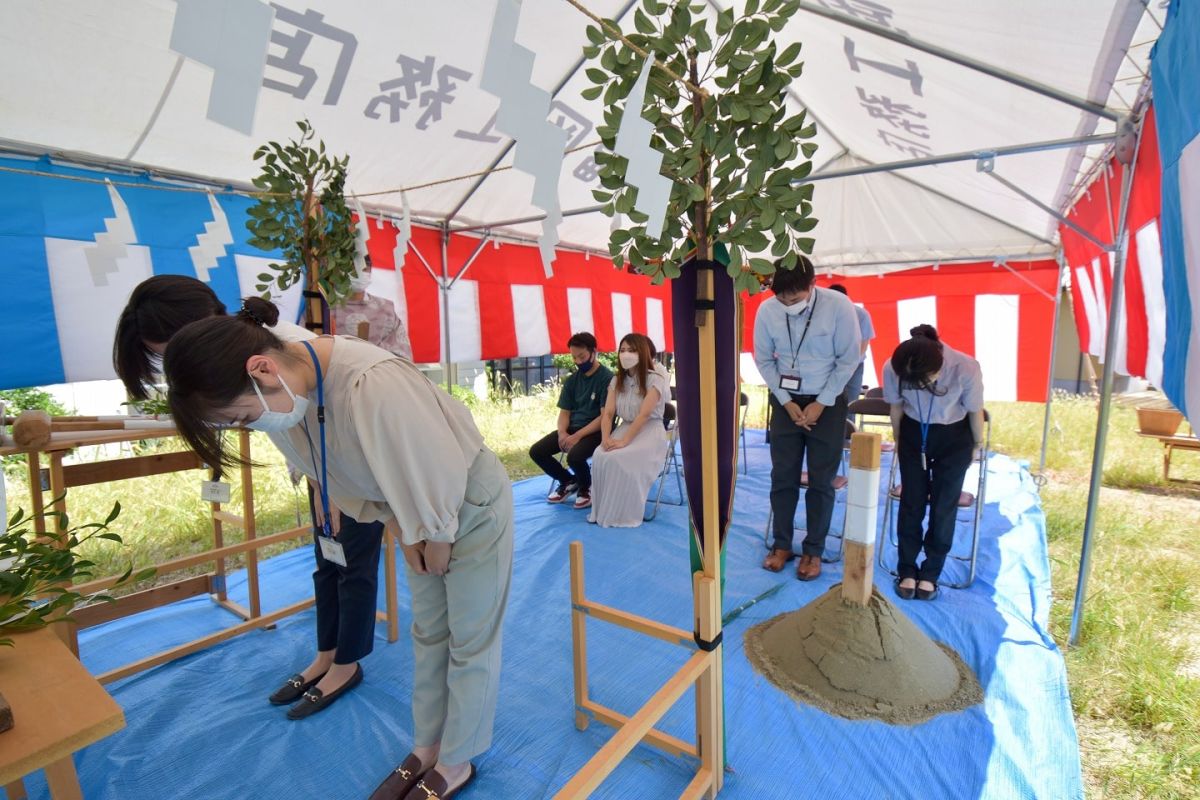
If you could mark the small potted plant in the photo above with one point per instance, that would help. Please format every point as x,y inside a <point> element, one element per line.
<point>37,573</point>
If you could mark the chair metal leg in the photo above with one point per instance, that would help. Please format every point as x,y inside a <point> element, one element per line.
<point>670,463</point>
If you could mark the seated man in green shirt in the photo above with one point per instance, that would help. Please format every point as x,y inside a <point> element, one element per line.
<point>578,435</point>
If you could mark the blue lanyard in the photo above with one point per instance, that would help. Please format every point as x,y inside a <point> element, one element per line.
<point>323,484</point>
<point>924,419</point>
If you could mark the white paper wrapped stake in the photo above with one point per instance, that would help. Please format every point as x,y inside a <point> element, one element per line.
<point>862,506</point>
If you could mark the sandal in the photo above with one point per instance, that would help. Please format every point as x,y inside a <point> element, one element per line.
<point>928,594</point>
<point>776,560</point>
<point>904,593</point>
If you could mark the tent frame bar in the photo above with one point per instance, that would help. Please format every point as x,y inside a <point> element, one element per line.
<point>966,155</point>
<point>1058,215</point>
<point>574,212</point>
<point>578,65</point>
<point>1058,291</point>
<point>933,261</point>
<point>1098,109</point>
<point>1115,302</point>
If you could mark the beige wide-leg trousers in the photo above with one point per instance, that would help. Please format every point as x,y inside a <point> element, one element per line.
<point>457,620</point>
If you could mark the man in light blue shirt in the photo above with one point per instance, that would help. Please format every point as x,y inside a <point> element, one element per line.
<point>806,346</point>
<point>866,331</point>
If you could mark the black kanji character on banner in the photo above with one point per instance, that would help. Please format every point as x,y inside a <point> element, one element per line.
<point>296,46</point>
<point>866,10</point>
<point>895,114</point>
<point>415,75</point>
<point>910,72</point>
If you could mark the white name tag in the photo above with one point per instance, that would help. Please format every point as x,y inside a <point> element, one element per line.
<point>214,491</point>
<point>331,550</point>
<point>789,383</point>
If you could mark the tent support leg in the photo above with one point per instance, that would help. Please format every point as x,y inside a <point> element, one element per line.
<point>1106,387</point>
<point>444,286</point>
<point>1062,266</point>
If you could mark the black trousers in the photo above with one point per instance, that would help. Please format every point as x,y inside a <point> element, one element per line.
<point>948,455</point>
<point>544,450</point>
<point>346,596</point>
<point>789,445</point>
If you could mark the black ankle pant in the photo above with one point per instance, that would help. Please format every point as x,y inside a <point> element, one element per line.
<point>544,450</point>
<point>949,451</point>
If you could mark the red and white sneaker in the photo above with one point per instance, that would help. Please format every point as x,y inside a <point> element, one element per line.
<point>584,498</point>
<point>562,492</point>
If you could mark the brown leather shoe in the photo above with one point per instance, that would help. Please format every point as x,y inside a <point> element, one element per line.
<point>401,781</point>
<point>809,568</point>
<point>776,560</point>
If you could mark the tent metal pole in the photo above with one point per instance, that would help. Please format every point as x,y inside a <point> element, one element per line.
<point>967,155</point>
<point>1062,266</point>
<point>965,61</point>
<point>931,260</point>
<point>574,212</point>
<point>444,285</point>
<point>470,260</point>
<point>1106,388</point>
<point>578,65</point>
<point>1063,218</point>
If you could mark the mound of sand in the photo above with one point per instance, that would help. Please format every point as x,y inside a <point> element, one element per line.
<point>861,663</point>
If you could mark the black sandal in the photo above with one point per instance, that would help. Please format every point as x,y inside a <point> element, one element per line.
<point>293,689</point>
<point>901,592</point>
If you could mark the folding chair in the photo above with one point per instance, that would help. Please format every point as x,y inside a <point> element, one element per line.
<point>744,402</point>
<point>670,464</point>
<point>965,500</point>
<point>840,482</point>
<point>872,411</point>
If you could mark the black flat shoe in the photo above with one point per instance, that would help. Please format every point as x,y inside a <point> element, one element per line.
<point>293,689</point>
<point>928,594</point>
<point>314,700</point>
<point>901,592</point>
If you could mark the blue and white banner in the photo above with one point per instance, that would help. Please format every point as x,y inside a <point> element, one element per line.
<point>1175,76</point>
<point>74,249</point>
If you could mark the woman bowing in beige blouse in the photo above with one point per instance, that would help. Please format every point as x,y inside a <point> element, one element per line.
<point>383,444</point>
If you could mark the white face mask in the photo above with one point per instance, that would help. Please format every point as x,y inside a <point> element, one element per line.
<point>628,360</point>
<point>278,421</point>
<point>796,309</point>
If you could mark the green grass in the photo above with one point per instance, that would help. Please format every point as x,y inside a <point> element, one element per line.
<point>1135,678</point>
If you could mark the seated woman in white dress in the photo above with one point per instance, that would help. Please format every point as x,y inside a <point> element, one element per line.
<point>629,458</point>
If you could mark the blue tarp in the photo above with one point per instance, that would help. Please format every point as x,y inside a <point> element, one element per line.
<point>201,727</point>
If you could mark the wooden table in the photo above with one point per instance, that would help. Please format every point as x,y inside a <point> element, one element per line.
<point>58,709</point>
<point>1170,445</point>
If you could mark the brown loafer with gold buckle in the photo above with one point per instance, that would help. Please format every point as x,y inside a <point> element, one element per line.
<point>809,568</point>
<point>776,560</point>
<point>433,787</point>
<point>402,780</point>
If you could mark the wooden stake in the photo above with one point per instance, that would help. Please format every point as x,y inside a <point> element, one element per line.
<point>248,525</point>
<point>579,635</point>
<point>858,577</point>
<point>624,740</point>
<point>389,582</point>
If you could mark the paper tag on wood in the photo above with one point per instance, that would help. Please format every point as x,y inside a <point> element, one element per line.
<point>214,491</point>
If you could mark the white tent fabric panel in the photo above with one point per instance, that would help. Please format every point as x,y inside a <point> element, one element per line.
<point>396,86</point>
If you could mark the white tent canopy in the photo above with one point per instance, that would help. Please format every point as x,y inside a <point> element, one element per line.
<point>101,83</point>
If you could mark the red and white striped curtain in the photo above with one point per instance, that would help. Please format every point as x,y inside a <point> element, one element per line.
<point>503,306</point>
<point>1142,327</point>
<point>1002,319</point>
